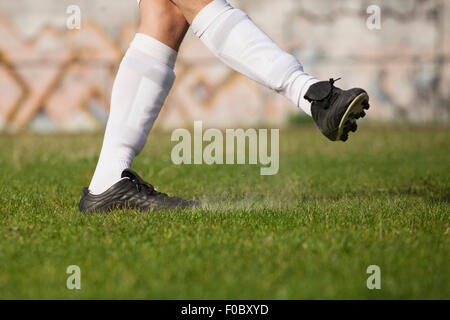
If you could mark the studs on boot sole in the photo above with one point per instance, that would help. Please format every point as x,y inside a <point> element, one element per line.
<point>350,125</point>
<point>360,115</point>
<point>366,105</point>
<point>344,137</point>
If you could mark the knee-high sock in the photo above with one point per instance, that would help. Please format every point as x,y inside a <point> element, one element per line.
<point>142,84</point>
<point>235,39</point>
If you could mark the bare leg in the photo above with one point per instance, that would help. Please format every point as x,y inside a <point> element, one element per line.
<point>191,8</point>
<point>164,21</point>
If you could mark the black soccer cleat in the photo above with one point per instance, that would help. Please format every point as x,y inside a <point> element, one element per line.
<point>131,192</point>
<point>334,110</point>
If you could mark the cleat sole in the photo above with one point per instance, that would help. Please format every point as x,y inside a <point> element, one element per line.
<point>354,112</point>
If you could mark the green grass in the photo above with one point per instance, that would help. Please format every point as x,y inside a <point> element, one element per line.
<point>309,232</point>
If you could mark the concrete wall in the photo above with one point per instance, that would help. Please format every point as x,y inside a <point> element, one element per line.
<point>55,79</point>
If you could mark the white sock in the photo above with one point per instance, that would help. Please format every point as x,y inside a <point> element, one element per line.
<point>142,84</point>
<point>235,39</point>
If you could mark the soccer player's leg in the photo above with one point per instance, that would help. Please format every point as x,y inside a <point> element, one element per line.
<point>235,39</point>
<point>143,81</point>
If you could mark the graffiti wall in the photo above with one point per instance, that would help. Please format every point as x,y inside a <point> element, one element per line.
<point>53,78</point>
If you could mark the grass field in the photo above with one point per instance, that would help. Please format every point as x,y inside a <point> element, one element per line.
<point>309,232</point>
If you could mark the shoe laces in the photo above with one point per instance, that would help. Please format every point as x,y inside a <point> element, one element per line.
<point>142,186</point>
<point>332,81</point>
<point>333,95</point>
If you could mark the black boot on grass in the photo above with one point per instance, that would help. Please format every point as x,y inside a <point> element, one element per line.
<point>131,192</point>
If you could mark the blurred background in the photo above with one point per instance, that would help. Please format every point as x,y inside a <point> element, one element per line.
<point>53,79</point>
